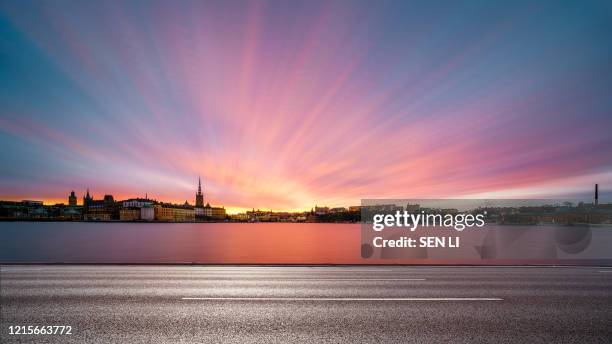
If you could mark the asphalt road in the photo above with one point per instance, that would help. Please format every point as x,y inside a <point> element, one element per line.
<point>169,304</point>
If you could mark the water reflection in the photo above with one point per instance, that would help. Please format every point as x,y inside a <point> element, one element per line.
<point>270,243</point>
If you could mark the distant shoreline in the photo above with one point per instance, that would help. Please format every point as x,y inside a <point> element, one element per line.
<point>168,222</point>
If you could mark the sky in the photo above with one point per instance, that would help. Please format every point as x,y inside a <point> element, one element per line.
<point>287,104</point>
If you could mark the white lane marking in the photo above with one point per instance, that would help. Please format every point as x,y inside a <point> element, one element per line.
<point>605,271</point>
<point>351,279</point>
<point>343,298</point>
<point>296,268</point>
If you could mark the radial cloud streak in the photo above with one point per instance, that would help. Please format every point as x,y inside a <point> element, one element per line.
<point>284,105</point>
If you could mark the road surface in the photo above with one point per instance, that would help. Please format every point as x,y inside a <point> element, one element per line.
<point>240,304</point>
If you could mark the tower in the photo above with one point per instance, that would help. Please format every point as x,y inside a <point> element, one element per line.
<point>72,200</point>
<point>86,200</point>
<point>596,194</point>
<point>199,203</point>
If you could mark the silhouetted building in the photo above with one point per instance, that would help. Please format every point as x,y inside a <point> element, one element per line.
<point>31,203</point>
<point>321,210</point>
<point>72,199</point>
<point>86,200</point>
<point>73,213</point>
<point>259,215</point>
<point>199,203</point>
<point>109,201</point>
<point>99,210</point>
<point>214,213</point>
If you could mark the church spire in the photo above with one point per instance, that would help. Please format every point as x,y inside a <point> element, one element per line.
<point>199,203</point>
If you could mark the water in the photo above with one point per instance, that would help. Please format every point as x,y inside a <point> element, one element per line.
<point>221,243</point>
<point>285,243</point>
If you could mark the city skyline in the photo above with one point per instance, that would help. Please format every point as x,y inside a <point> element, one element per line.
<point>287,105</point>
<point>200,201</point>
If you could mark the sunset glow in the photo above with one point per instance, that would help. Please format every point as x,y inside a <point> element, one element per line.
<point>285,104</point>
